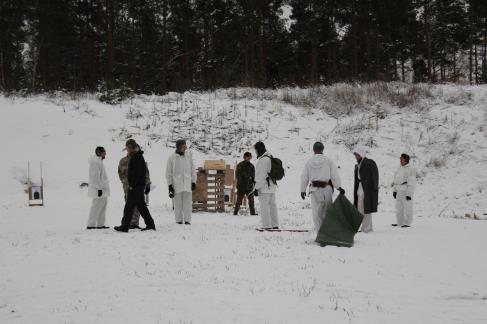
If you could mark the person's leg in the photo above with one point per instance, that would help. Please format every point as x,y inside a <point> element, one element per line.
<point>400,198</point>
<point>367,221</point>
<point>273,210</point>
<point>240,196</point>
<point>265,210</point>
<point>187,206</point>
<point>102,212</point>
<point>327,201</point>
<point>317,201</point>
<point>142,207</point>
<point>250,199</point>
<point>135,218</point>
<point>408,212</point>
<point>94,212</point>
<point>129,208</point>
<point>178,207</point>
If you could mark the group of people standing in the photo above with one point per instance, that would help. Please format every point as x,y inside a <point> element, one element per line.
<point>319,179</point>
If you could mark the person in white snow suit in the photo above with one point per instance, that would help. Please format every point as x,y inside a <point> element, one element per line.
<point>403,186</point>
<point>265,188</point>
<point>321,175</point>
<point>98,189</point>
<point>181,180</point>
<point>366,187</point>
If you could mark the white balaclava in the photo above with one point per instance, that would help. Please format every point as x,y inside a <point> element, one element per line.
<point>360,150</point>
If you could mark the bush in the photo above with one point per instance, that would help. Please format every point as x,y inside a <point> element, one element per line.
<point>113,96</point>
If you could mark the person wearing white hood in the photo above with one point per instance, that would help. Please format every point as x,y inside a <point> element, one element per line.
<point>181,181</point>
<point>321,175</point>
<point>98,190</point>
<point>403,185</point>
<point>366,187</point>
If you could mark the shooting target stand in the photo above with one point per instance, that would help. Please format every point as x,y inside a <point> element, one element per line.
<point>212,181</point>
<point>35,190</point>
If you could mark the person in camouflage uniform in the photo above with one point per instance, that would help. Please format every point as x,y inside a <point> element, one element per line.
<point>245,175</point>
<point>123,175</point>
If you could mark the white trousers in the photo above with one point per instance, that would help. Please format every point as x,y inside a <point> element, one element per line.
<point>367,221</point>
<point>97,212</point>
<point>404,209</point>
<point>268,210</point>
<point>321,200</point>
<point>183,206</point>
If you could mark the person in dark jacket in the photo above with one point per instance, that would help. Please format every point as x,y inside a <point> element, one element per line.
<point>245,175</point>
<point>366,187</point>
<point>136,175</point>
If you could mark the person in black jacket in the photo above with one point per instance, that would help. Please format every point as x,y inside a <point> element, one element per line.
<point>366,187</point>
<point>137,170</point>
<point>245,175</point>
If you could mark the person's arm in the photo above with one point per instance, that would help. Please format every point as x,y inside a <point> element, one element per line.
<point>375,175</point>
<point>335,176</point>
<point>261,172</point>
<point>169,171</point>
<point>305,178</point>
<point>193,169</point>
<point>95,175</point>
<point>411,182</point>
<point>120,172</point>
<point>147,175</point>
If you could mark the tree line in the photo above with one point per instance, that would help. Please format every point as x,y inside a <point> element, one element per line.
<point>155,46</point>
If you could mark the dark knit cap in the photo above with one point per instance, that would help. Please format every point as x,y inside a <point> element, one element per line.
<point>131,143</point>
<point>318,147</point>
<point>180,143</point>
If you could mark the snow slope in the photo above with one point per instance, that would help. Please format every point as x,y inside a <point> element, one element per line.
<point>219,270</point>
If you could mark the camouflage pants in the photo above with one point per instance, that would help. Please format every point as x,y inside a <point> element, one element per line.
<point>136,214</point>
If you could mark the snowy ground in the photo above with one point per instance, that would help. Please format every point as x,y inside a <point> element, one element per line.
<point>219,270</point>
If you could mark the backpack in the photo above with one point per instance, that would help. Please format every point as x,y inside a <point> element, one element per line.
<point>277,171</point>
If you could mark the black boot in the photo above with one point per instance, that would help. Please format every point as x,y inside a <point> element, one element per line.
<point>90,227</point>
<point>187,223</point>
<point>102,227</point>
<point>121,229</point>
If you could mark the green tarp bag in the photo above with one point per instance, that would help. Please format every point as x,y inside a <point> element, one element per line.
<point>341,223</point>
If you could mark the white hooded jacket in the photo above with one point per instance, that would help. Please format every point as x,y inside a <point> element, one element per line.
<point>97,178</point>
<point>319,168</point>
<point>405,180</point>
<point>262,169</point>
<point>180,172</point>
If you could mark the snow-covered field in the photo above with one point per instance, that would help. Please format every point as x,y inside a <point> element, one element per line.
<point>220,270</point>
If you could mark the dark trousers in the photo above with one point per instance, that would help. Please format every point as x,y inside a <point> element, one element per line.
<point>135,198</point>
<point>250,198</point>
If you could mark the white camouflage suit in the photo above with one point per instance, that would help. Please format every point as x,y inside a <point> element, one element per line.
<point>320,168</point>
<point>97,180</point>
<point>404,184</point>
<point>266,192</point>
<point>180,173</point>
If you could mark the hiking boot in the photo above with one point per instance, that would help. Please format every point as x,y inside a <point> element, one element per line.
<point>102,227</point>
<point>180,223</point>
<point>187,223</point>
<point>121,229</point>
<point>393,224</point>
<point>90,227</point>
<point>404,226</point>
<point>275,228</point>
<point>149,228</point>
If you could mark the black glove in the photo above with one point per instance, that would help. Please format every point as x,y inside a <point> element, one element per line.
<point>171,191</point>
<point>408,198</point>
<point>394,194</point>
<point>341,190</point>
<point>147,190</point>
<point>100,193</point>
<point>193,186</point>
<point>256,193</point>
<point>303,195</point>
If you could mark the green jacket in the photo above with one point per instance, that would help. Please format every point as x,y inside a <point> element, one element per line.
<point>245,174</point>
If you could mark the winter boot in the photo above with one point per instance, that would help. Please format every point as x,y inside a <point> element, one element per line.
<point>121,229</point>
